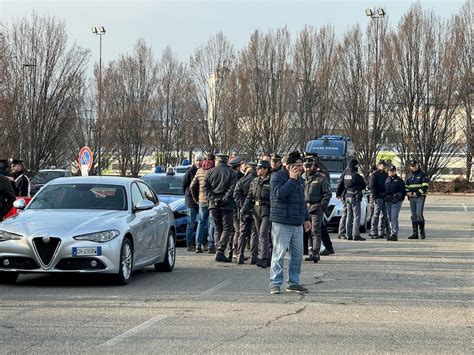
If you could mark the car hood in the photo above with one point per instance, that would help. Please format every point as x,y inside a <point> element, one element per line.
<point>62,222</point>
<point>175,202</point>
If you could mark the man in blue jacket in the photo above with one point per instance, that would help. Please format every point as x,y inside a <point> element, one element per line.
<point>288,214</point>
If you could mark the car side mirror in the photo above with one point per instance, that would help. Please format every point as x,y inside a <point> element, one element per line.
<point>144,205</point>
<point>19,204</point>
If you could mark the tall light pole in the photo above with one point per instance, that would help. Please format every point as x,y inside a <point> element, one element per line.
<point>375,16</point>
<point>100,31</point>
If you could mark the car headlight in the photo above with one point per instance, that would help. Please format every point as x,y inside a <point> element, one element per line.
<point>99,237</point>
<point>4,236</point>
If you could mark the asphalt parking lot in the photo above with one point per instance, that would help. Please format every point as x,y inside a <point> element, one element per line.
<point>370,297</point>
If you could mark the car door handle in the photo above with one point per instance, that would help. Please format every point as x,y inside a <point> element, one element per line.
<point>164,214</point>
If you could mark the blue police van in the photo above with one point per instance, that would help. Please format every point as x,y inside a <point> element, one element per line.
<point>334,151</point>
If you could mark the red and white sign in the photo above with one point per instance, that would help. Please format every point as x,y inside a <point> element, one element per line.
<point>85,160</point>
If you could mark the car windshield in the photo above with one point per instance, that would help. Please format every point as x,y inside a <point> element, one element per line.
<point>333,165</point>
<point>80,196</point>
<point>165,184</point>
<point>43,177</point>
<point>334,183</point>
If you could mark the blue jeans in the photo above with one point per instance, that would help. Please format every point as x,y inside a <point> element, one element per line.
<point>286,237</point>
<point>190,234</point>
<point>204,220</point>
<point>393,210</point>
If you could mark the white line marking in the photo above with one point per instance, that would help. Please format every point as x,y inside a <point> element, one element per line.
<point>131,332</point>
<point>215,288</point>
<point>464,206</point>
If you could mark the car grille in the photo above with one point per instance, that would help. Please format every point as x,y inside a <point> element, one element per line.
<point>46,251</point>
<point>18,262</point>
<point>79,264</point>
<point>329,210</point>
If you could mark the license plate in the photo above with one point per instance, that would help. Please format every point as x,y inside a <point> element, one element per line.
<point>85,251</point>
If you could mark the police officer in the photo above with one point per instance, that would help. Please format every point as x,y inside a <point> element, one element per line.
<point>416,187</point>
<point>245,225</point>
<point>22,183</point>
<point>219,185</point>
<point>7,194</point>
<point>377,188</point>
<point>276,163</point>
<point>258,202</point>
<point>351,185</point>
<point>236,164</point>
<point>317,197</point>
<point>394,196</point>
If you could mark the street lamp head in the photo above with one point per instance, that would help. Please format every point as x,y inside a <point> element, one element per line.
<point>369,12</point>
<point>381,12</point>
<point>100,30</point>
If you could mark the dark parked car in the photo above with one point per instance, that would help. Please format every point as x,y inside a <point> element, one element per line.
<point>44,176</point>
<point>168,188</point>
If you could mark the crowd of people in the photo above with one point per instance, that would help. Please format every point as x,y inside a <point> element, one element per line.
<point>276,206</point>
<point>14,183</point>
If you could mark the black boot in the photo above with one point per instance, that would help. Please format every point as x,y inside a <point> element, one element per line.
<point>415,231</point>
<point>422,230</point>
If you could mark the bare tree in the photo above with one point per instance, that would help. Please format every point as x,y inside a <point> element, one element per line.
<point>210,67</point>
<point>315,67</point>
<point>129,92</point>
<point>464,44</point>
<point>44,82</point>
<point>422,72</point>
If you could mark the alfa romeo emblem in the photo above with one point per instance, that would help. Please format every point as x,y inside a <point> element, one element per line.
<point>46,240</point>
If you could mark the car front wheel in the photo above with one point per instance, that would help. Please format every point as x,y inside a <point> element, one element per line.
<point>170,258</point>
<point>126,263</point>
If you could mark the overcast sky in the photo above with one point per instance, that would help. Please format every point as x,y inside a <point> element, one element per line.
<point>186,24</point>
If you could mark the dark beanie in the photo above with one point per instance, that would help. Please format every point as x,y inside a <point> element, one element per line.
<point>353,163</point>
<point>294,157</point>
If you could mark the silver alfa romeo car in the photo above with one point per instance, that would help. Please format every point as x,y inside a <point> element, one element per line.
<point>107,225</point>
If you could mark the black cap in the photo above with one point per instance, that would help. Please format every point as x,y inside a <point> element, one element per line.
<point>265,164</point>
<point>211,157</point>
<point>252,164</point>
<point>236,161</point>
<point>382,162</point>
<point>392,168</point>
<point>275,156</point>
<point>15,161</point>
<point>222,157</point>
<point>413,162</point>
<point>294,157</point>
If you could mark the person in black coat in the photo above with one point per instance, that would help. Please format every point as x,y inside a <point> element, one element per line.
<point>7,196</point>
<point>352,185</point>
<point>377,189</point>
<point>219,186</point>
<point>192,208</point>
<point>416,189</point>
<point>22,182</point>
<point>394,196</point>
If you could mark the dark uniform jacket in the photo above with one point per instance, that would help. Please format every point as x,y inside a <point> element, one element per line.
<point>317,192</point>
<point>340,186</point>
<point>377,183</point>
<point>258,197</point>
<point>394,189</point>
<point>418,183</point>
<point>287,205</point>
<point>242,188</point>
<point>219,185</point>
<point>7,196</point>
<point>22,184</point>
<point>351,184</point>
<point>186,185</point>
